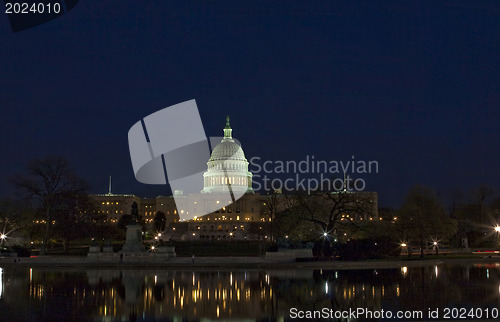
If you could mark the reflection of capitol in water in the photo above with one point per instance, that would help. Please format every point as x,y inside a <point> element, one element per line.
<point>159,294</point>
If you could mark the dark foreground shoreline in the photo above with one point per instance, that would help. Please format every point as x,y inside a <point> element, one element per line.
<point>237,263</point>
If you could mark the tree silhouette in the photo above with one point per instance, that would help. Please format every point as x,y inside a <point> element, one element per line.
<point>160,221</point>
<point>423,218</point>
<point>50,182</point>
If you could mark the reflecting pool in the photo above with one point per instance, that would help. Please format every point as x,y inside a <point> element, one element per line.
<point>116,294</point>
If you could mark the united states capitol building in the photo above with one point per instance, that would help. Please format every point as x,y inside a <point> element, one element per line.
<point>227,176</point>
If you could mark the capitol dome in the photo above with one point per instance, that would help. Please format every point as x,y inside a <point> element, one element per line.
<point>227,168</point>
<point>226,150</point>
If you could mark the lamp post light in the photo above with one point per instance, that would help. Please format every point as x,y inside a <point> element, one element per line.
<point>404,247</point>
<point>325,238</point>
<point>436,247</point>
<point>497,230</point>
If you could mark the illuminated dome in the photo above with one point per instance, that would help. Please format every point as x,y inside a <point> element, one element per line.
<point>227,149</point>
<point>227,167</point>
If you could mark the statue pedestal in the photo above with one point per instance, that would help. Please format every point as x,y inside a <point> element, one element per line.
<point>133,241</point>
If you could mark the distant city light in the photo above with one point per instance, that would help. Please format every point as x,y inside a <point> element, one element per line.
<point>325,234</point>
<point>3,236</point>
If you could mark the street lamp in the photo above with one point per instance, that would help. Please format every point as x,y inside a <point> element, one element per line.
<point>404,248</point>
<point>497,230</point>
<point>435,243</point>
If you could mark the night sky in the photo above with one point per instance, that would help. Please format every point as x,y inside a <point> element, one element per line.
<point>413,85</point>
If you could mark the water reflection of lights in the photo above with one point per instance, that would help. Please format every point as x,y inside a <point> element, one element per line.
<point>436,270</point>
<point>220,294</point>
<point>487,265</point>
<point>404,270</point>
<point>1,282</point>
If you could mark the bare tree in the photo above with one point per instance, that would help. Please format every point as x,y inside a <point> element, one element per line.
<point>77,217</point>
<point>481,194</point>
<point>13,216</point>
<point>273,203</point>
<point>49,182</point>
<point>423,217</point>
<point>330,210</point>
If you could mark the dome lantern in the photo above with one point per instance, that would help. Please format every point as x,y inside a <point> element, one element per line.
<point>227,129</point>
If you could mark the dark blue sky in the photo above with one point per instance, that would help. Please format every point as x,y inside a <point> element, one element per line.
<point>413,85</point>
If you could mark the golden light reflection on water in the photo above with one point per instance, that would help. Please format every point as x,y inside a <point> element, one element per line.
<point>1,282</point>
<point>256,294</point>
